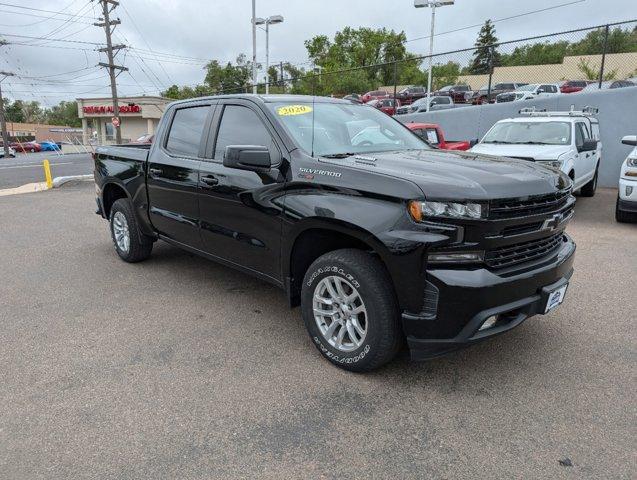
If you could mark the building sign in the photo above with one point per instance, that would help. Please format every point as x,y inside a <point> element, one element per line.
<point>109,109</point>
<point>65,130</point>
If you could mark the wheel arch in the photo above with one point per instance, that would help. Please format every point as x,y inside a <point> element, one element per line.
<point>313,238</point>
<point>112,191</point>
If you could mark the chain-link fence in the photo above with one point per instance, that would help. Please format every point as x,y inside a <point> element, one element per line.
<point>604,56</point>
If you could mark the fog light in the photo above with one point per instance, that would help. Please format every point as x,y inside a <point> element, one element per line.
<point>629,191</point>
<point>488,323</point>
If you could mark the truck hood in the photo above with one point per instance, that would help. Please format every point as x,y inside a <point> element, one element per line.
<point>460,175</point>
<point>537,152</point>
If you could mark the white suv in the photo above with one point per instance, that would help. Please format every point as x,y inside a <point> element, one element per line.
<point>568,141</point>
<point>529,92</point>
<point>626,210</point>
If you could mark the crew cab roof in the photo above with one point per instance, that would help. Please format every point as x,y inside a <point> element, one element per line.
<point>566,118</point>
<point>274,98</point>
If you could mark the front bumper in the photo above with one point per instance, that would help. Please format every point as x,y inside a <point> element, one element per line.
<point>464,299</point>
<point>628,202</point>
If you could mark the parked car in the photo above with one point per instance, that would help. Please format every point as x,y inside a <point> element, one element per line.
<point>345,230</point>
<point>49,146</point>
<point>145,139</point>
<point>529,92</point>
<point>386,105</point>
<point>11,152</point>
<point>434,136</point>
<point>436,103</point>
<point>411,94</point>
<point>456,92</point>
<point>626,207</point>
<point>609,84</point>
<point>568,141</point>
<point>375,95</point>
<point>572,86</point>
<point>482,96</point>
<point>24,147</point>
<point>353,97</point>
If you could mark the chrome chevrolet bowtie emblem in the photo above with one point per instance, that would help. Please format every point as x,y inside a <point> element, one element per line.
<point>553,222</point>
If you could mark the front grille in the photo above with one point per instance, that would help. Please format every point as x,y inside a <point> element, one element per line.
<point>523,252</point>
<point>505,98</point>
<point>521,207</point>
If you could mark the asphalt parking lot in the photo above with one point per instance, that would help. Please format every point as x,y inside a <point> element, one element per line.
<point>181,368</point>
<point>27,167</point>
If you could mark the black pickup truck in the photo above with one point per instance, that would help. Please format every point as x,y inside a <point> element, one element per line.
<point>379,238</point>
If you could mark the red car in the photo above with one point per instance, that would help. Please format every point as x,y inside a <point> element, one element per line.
<point>386,105</point>
<point>26,147</point>
<point>432,134</point>
<point>572,86</point>
<point>374,95</point>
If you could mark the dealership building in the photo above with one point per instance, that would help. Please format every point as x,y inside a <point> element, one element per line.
<point>138,116</point>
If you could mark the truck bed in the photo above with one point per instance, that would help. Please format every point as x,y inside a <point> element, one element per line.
<point>130,152</point>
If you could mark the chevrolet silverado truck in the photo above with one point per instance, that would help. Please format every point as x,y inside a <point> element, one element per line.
<point>379,238</point>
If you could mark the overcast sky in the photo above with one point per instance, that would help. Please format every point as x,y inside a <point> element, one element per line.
<point>220,29</point>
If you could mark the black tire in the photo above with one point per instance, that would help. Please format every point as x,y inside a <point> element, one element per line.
<point>589,189</point>
<point>383,336</point>
<point>140,245</point>
<point>622,216</point>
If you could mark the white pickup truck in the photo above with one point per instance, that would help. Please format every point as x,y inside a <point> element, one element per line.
<point>568,141</point>
<point>626,210</point>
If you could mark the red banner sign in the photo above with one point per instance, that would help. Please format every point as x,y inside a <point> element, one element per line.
<point>109,109</point>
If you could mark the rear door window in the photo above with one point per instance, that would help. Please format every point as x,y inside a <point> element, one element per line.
<point>184,137</point>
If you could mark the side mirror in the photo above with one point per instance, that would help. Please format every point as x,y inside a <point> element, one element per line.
<point>630,140</point>
<point>588,146</point>
<point>247,157</point>
<point>474,142</point>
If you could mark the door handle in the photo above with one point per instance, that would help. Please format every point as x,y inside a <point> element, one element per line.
<point>209,180</point>
<point>155,171</point>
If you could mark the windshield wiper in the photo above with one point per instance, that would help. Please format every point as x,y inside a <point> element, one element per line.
<point>339,155</point>
<point>499,141</point>
<point>531,143</point>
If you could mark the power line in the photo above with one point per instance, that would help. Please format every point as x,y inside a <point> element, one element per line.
<point>49,39</point>
<point>146,42</point>
<point>468,27</point>
<point>12,5</point>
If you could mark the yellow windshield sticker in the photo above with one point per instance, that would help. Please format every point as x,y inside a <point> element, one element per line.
<point>293,110</point>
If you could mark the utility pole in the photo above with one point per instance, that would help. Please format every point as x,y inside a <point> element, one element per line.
<point>3,122</point>
<point>107,7</point>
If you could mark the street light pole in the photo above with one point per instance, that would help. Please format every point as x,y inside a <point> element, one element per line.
<point>267,57</point>
<point>254,47</point>
<point>274,19</point>
<point>431,4</point>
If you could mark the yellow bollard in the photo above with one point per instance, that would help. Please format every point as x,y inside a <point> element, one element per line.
<point>47,174</point>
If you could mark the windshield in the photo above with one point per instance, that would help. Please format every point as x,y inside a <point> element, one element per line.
<point>526,88</point>
<point>539,133</point>
<point>341,129</point>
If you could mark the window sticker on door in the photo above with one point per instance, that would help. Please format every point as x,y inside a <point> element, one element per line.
<point>293,110</point>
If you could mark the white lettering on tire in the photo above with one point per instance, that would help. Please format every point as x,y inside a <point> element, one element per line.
<point>333,269</point>
<point>338,359</point>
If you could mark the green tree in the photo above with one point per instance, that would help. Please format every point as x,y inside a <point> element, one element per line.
<point>64,113</point>
<point>619,41</point>
<point>13,111</point>
<point>536,54</point>
<point>592,72</point>
<point>353,48</point>
<point>482,62</point>
<point>231,78</point>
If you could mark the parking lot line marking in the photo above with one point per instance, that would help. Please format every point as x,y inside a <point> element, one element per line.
<point>39,165</point>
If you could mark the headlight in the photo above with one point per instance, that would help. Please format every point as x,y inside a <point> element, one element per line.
<point>456,257</point>
<point>552,163</point>
<point>631,162</point>
<point>420,210</point>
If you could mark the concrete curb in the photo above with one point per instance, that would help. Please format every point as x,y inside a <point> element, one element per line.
<point>59,181</point>
<point>28,188</point>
